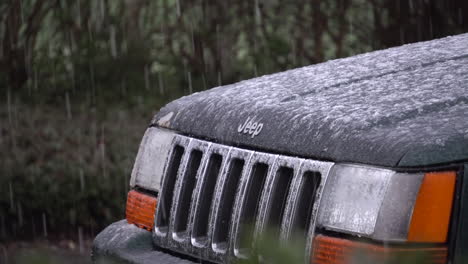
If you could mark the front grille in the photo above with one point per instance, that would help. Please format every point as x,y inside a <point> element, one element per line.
<point>213,197</point>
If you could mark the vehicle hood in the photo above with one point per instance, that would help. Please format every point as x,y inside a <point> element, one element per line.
<point>404,106</point>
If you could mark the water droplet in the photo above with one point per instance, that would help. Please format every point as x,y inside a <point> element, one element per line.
<point>293,51</point>
<point>2,32</point>
<point>12,203</point>
<point>80,239</point>
<point>5,254</point>
<point>22,11</point>
<point>191,35</point>
<point>44,225</point>
<point>147,79</point>
<point>102,144</point>
<point>431,27</point>
<point>92,82</point>
<point>35,80</point>
<point>102,12</point>
<point>78,13</point>
<point>72,76</point>
<point>178,8</point>
<point>123,88</point>
<point>205,86</point>
<point>33,227</point>
<point>257,12</point>
<point>20,215</point>
<point>9,106</point>
<point>161,84</point>
<point>3,227</point>
<point>89,27</point>
<point>68,106</point>
<point>112,42</point>
<point>189,77</point>
<point>402,36</point>
<point>82,180</point>
<point>125,183</point>
<point>460,16</point>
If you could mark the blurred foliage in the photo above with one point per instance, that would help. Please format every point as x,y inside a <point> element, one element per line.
<point>103,51</point>
<point>267,248</point>
<point>62,171</point>
<point>80,80</point>
<point>42,252</point>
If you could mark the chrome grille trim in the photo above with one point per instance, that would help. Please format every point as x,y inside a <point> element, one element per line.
<point>219,251</point>
<point>239,206</point>
<point>200,244</point>
<point>160,233</point>
<point>324,169</point>
<point>289,162</point>
<point>206,247</point>
<point>182,239</point>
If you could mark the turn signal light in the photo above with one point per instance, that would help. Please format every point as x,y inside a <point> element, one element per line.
<point>331,250</point>
<point>431,214</point>
<point>140,209</point>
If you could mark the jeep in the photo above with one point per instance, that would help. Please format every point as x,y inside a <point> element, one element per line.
<point>364,154</point>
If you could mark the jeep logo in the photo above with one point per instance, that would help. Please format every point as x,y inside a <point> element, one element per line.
<point>250,127</point>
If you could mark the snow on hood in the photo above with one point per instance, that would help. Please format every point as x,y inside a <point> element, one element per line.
<point>404,106</point>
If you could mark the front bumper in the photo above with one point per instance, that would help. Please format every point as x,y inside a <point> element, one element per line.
<point>122,242</point>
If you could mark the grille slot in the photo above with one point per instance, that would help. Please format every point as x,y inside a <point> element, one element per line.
<point>280,191</point>
<point>251,204</point>
<point>206,196</point>
<point>303,213</point>
<point>165,201</point>
<point>183,211</point>
<point>223,221</point>
<point>213,194</point>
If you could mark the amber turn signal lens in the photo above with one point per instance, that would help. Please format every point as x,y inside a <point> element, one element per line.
<point>140,209</point>
<point>331,250</point>
<point>431,214</point>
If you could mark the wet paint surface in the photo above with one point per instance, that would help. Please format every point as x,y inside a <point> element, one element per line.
<point>403,106</point>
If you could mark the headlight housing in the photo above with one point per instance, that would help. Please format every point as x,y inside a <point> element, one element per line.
<point>366,201</point>
<point>383,206</point>
<point>146,177</point>
<point>151,159</point>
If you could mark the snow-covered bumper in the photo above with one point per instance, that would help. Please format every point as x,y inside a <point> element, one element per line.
<point>125,243</point>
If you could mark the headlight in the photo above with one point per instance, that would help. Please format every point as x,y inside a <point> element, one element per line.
<point>383,204</point>
<point>151,158</point>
